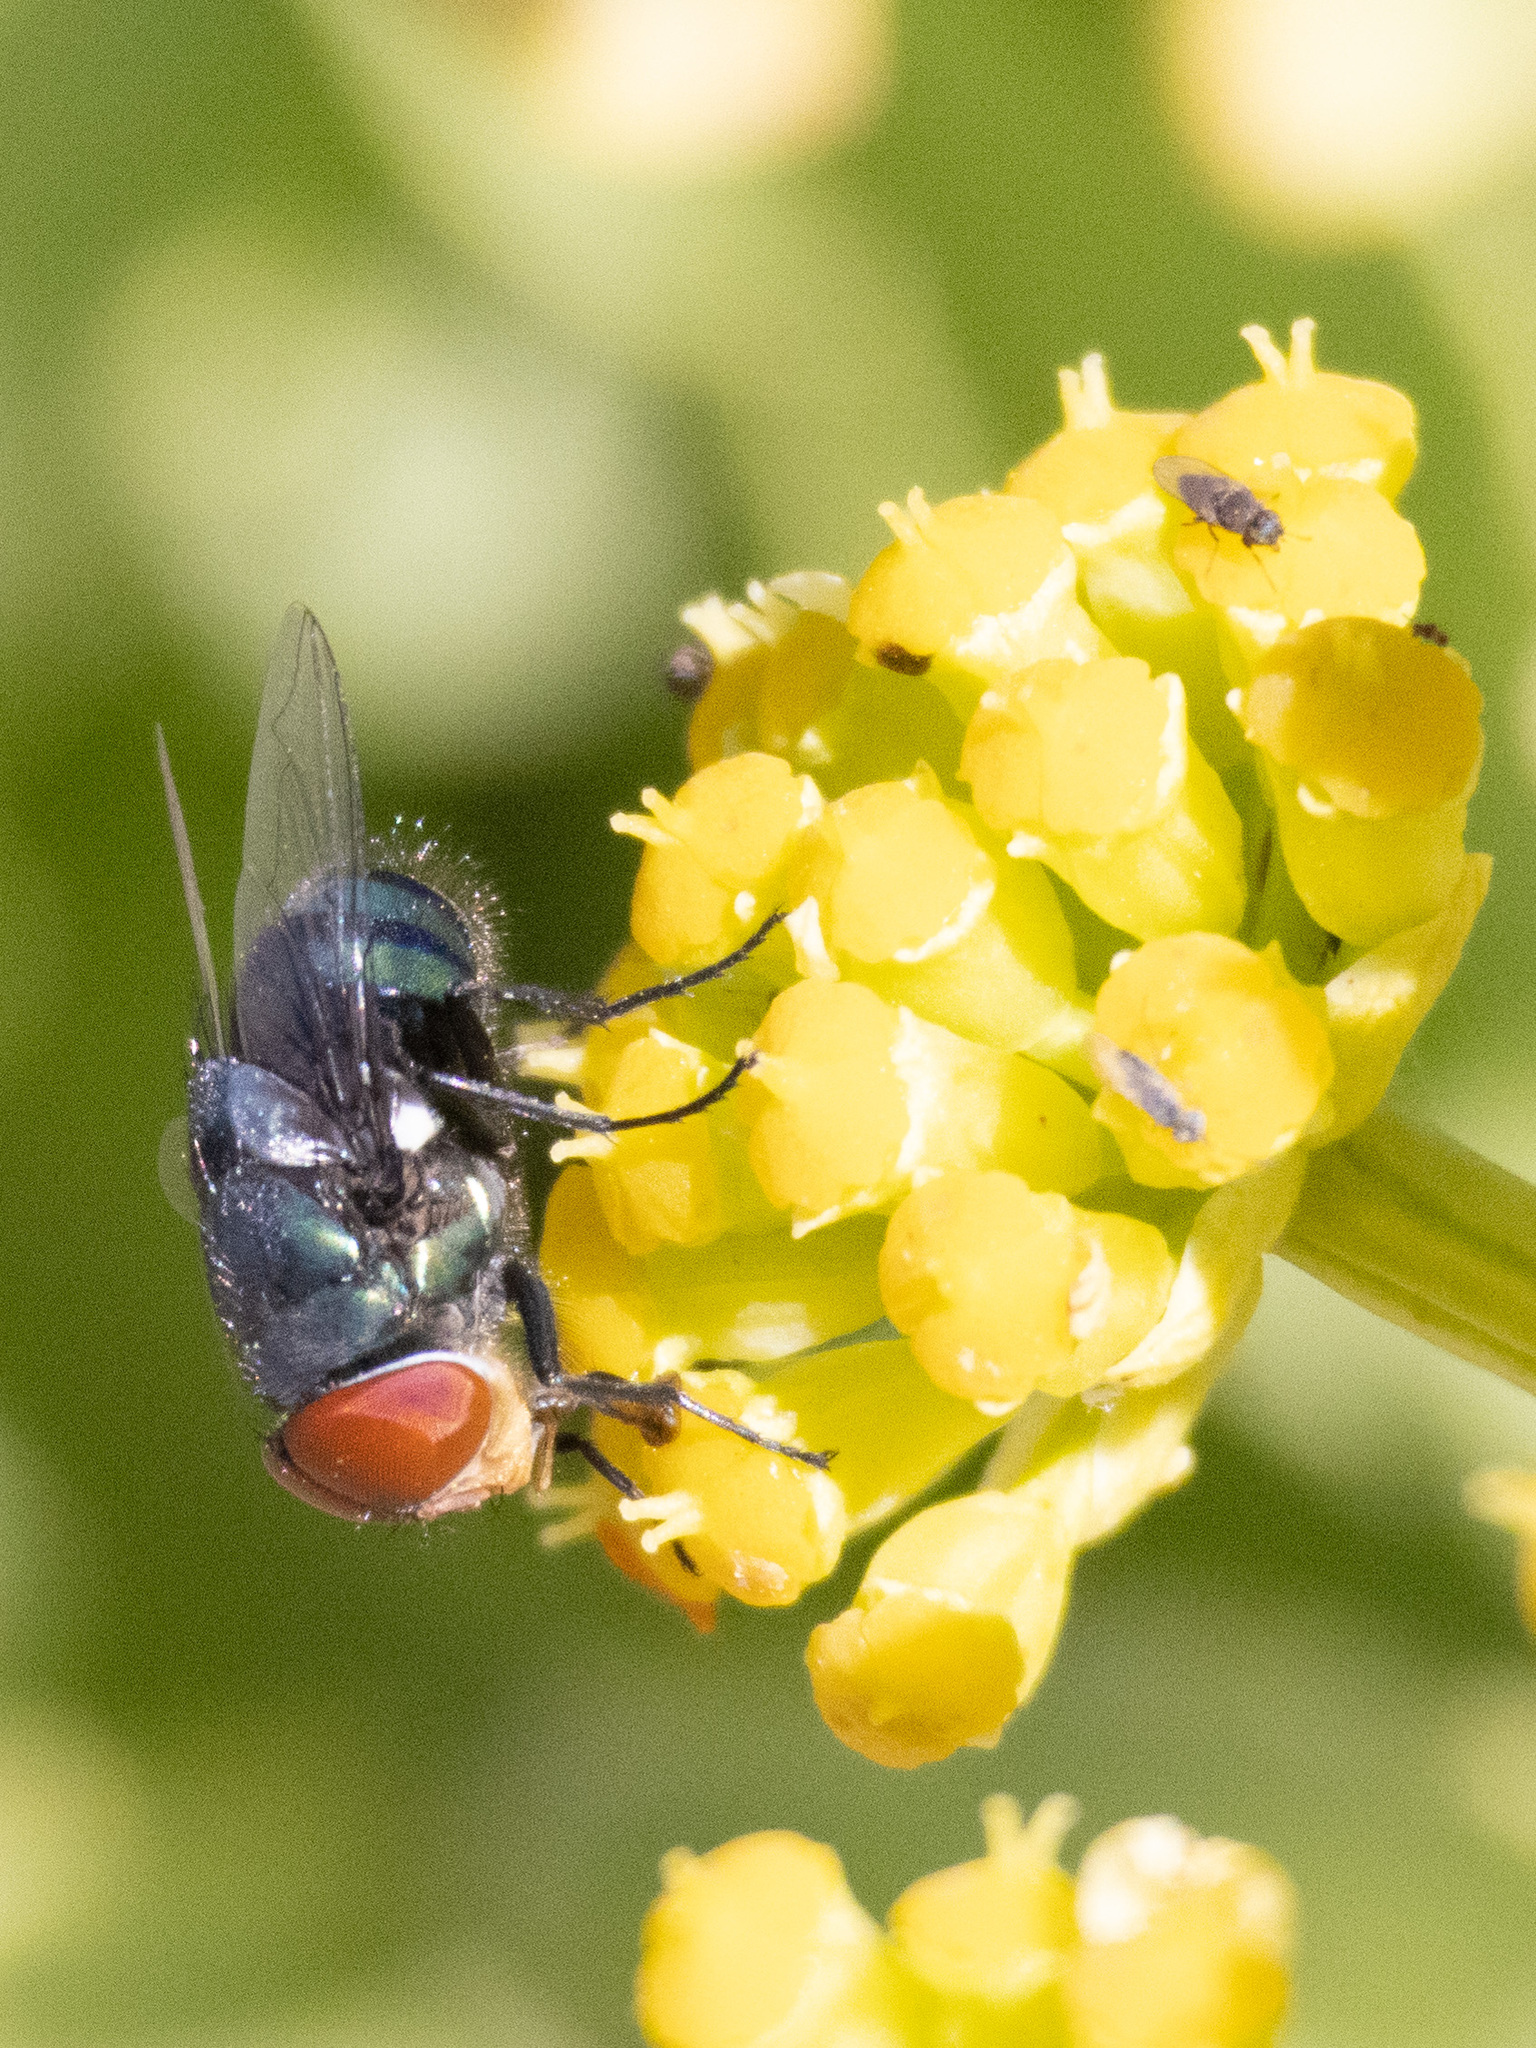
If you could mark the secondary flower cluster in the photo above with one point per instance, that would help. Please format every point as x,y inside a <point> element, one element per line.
<point>1164,1940</point>
<point>1506,1497</point>
<point>1119,859</point>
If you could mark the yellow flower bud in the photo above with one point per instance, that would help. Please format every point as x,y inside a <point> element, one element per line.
<point>761,1942</point>
<point>1096,476</point>
<point>1090,766</point>
<point>1371,744</point>
<point>1230,1062</point>
<point>1101,461</point>
<point>972,588</point>
<point>1003,1291</point>
<point>831,1108</point>
<point>1507,1499</point>
<point>713,855</point>
<point>1184,1941</point>
<point>780,663</point>
<point>755,1524</point>
<point>951,1630</point>
<point>851,1100</point>
<point>895,873</point>
<point>1377,721</point>
<point>1306,421</point>
<point>906,900</point>
<point>989,1938</point>
<point>682,1183</point>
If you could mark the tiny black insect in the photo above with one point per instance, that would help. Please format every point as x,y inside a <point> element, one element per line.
<point>1424,630</point>
<point>688,669</point>
<point>1218,500</point>
<point>350,1148</point>
<point>901,660</point>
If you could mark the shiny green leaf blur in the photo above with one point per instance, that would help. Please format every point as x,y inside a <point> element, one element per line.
<point>494,340</point>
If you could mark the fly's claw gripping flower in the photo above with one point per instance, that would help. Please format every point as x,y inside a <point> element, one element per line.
<point>1118,861</point>
<point>749,1523</point>
<point>1507,1499</point>
<point>1164,1940</point>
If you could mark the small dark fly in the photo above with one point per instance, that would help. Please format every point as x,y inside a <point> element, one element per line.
<point>1218,500</point>
<point>1426,629</point>
<point>350,1149</point>
<point>1127,1074</point>
<point>687,671</point>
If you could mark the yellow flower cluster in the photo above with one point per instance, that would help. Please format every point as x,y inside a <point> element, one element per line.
<point>1118,855</point>
<point>1164,1940</point>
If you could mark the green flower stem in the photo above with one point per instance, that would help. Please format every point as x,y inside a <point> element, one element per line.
<point>1428,1234</point>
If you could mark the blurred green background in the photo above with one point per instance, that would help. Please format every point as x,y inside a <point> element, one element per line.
<point>494,332</point>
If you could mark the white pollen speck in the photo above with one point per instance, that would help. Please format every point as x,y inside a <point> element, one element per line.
<point>1314,805</point>
<point>1025,846</point>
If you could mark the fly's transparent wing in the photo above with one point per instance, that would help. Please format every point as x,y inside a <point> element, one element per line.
<point>173,1164</point>
<point>303,807</point>
<point>302,1005</point>
<point>1169,472</point>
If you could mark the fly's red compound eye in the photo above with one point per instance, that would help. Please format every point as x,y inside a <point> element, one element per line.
<point>385,1445</point>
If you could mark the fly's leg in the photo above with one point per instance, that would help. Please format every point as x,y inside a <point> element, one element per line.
<point>584,1447</point>
<point>576,1008</point>
<point>534,1110</point>
<point>530,1297</point>
<point>656,1408</point>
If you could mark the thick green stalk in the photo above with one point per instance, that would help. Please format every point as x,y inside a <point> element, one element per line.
<point>1428,1234</point>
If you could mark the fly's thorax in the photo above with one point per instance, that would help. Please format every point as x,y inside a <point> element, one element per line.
<point>421,1436</point>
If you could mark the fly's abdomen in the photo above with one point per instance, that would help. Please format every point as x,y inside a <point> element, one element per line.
<point>303,1295</point>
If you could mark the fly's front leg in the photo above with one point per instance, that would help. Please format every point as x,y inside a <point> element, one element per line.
<point>589,1009</point>
<point>533,1109</point>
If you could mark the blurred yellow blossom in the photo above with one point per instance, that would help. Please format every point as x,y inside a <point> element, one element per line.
<point>1349,124</point>
<point>1164,1940</point>
<point>1507,1498</point>
<point>1115,861</point>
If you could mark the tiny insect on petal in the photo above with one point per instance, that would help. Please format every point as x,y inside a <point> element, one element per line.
<point>389,1442</point>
